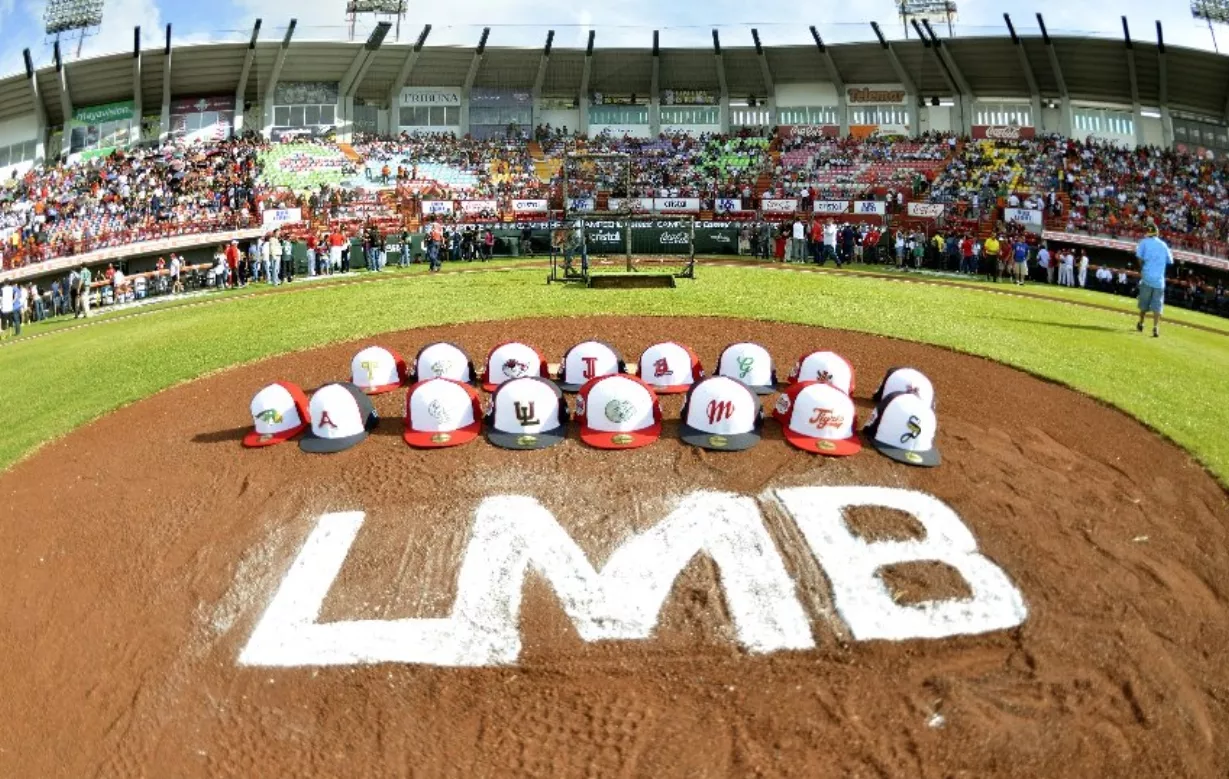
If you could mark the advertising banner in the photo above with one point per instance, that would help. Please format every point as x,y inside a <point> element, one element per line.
<point>431,207</point>
<point>1000,133</point>
<point>1027,216</point>
<point>530,206</point>
<point>876,94</point>
<point>306,93</point>
<point>200,105</point>
<point>315,132</point>
<point>810,131</point>
<point>779,206</point>
<point>831,206</point>
<point>926,210</point>
<point>489,96</point>
<point>478,206</point>
<point>690,204</point>
<point>109,112</point>
<point>582,204</point>
<point>663,236</point>
<point>429,96</point>
<point>273,218</point>
<point>870,207</point>
<point>631,203</point>
<point>688,97</point>
<point>726,205</point>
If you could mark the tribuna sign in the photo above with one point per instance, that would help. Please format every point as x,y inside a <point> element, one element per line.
<point>513,534</point>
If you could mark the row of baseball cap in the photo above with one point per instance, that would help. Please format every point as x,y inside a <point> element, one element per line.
<point>615,410</point>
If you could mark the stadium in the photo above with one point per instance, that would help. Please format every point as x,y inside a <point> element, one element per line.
<point>384,408</point>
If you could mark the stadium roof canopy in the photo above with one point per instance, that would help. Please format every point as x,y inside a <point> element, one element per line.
<point>1092,69</point>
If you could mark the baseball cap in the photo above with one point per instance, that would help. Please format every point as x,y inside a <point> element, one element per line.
<point>443,361</point>
<point>909,380</point>
<point>618,412</point>
<point>818,417</point>
<point>723,414</point>
<point>512,360</point>
<point>586,361</point>
<point>376,370</point>
<point>341,416</point>
<point>828,367</point>
<point>751,364</point>
<point>670,368</point>
<point>527,413</point>
<point>279,413</point>
<point>442,412</point>
<point>903,427</point>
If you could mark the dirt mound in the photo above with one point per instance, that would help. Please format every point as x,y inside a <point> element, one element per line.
<point>143,551</point>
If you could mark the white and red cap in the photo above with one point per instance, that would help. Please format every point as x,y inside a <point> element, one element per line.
<point>586,361</point>
<point>527,413</point>
<point>618,412</point>
<point>341,416</point>
<point>903,427</point>
<point>444,361</point>
<point>279,413</point>
<point>909,380</point>
<point>376,370</point>
<point>828,367</point>
<point>670,368</point>
<point>751,364</point>
<point>818,417</point>
<point>723,414</point>
<point>512,360</point>
<point>442,412</point>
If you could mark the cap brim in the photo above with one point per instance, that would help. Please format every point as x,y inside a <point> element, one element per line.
<point>569,387</point>
<point>765,389</point>
<point>317,445</point>
<point>255,440</point>
<point>928,459</point>
<point>832,447</point>
<point>489,387</point>
<point>718,443</point>
<point>605,439</point>
<point>670,389</point>
<point>379,389</point>
<point>540,440</point>
<point>424,439</point>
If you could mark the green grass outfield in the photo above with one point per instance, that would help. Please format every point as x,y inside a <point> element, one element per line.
<point>1176,384</point>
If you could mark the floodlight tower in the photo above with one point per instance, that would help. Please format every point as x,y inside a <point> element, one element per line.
<point>72,19</point>
<point>392,11</point>
<point>1211,11</point>
<point>927,11</point>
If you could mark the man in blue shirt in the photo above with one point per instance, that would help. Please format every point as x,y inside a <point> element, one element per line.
<point>1154,256</point>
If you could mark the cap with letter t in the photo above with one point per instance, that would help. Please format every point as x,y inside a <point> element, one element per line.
<point>618,412</point>
<point>909,380</point>
<point>342,416</point>
<point>279,413</point>
<point>586,361</point>
<point>722,414</point>
<point>376,370</point>
<point>441,412</point>
<point>510,361</point>
<point>751,364</point>
<point>903,427</point>
<point>818,417</point>
<point>443,361</point>
<point>670,368</point>
<point>527,413</point>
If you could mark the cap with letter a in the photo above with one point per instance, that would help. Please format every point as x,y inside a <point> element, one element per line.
<point>376,370</point>
<point>670,368</point>
<point>909,380</point>
<point>510,361</point>
<point>444,361</point>
<point>442,412</point>
<point>618,412</point>
<point>903,427</point>
<point>279,413</point>
<point>751,364</point>
<point>818,417</point>
<point>341,416</point>
<point>586,361</point>
<point>722,414</point>
<point>527,413</point>
<point>828,367</point>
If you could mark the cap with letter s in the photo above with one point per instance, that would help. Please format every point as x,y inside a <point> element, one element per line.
<point>527,413</point>
<point>618,412</point>
<point>440,413</point>
<point>903,427</point>
<point>722,414</point>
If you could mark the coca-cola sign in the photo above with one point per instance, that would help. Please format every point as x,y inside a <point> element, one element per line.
<point>993,132</point>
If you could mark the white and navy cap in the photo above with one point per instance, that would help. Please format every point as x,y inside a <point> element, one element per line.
<point>376,370</point>
<point>441,412</point>
<point>751,364</point>
<point>723,414</point>
<point>527,413</point>
<point>341,416</point>
<point>903,427</point>
<point>670,368</point>
<point>279,413</point>
<point>828,367</point>
<point>909,380</point>
<point>618,412</point>
<point>512,360</point>
<point>444,361</point>
<point>586,361</point>
<point>818,417</point>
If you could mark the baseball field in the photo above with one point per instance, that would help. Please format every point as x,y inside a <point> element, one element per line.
<point>1083,462</point>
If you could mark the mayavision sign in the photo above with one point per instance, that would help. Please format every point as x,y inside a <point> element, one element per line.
<point>512,534</point>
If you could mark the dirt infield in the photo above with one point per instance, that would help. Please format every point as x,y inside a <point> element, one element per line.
<point>142,551</point>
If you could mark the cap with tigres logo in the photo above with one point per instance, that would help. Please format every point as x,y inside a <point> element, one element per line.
<point>721,414</point>
<point>909,380</point>
<point>903,427</point>
<point>527,413</point>
<point>442,412</point>
<point>279,413</point>
<point>444,361</point>
<point>376,370</point>
<point>618,412</point>
<point>586,361</point>
<point>818,417</point>
<point>342,415</point>
<point>828,367</point>
<point>510,361</point>
<point>751,364</point>
<point>669,368</point>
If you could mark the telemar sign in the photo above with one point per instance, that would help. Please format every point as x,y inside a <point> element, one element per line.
<point>876,94</point>
<point>623,600</point>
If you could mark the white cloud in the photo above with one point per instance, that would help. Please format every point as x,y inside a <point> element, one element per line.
<point>118,19</point>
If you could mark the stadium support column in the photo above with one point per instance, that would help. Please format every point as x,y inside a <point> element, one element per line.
<point>353,78</point>
<point>403,75</point>
<point>474,64</point>
<point>582,100</point>
<point>1029,78</point>
<point>540,78</point>
<point>1137,111</point>
<point>723,102</point>
<point>770,86</point>
<point>1167,119</point>
<point>164,117</point>
<point>838,83</point>
<point>137,107</point>
<point>654,93</point>
<point>242,87</point>
<point>906,82</point>
<point>66,98</point>
<point>1064,121</point>
<point>964,94</point>
<point>40,110</point>
<point>274,76</point>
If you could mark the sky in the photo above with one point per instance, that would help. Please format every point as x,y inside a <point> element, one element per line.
<point>623,23</point>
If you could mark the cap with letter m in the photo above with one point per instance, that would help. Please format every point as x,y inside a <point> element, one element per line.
<point>818,417</point>
<point>376,370</point>
<point>670,368</point>
<point>751,364</point>
<point>341,416</point>
<point>279,413</point>
<point>903,427</point>
<point>444,361</point>
<point>442,412</point>
<point>587,361</point>
<point>722,414</point>
<point>828,367</point>
<point>618,412</point>
<point>527,413</point>
<point>510,361</point>
<point>909,380</point>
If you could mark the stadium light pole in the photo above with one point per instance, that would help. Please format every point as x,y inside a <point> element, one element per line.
<point>1211,11</point>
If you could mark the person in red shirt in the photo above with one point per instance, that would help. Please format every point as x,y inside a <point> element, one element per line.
<point>967,264</point>
<point>311,254</point>
<point>232,261</point>
<point>817,239</point>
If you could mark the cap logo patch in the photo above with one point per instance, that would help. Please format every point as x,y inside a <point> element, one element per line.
<point>795,370</point>
<point>825,445</point>
<point>620,410</point>
<point>590,369</point>
<point>717,441</point>
<point>915,429</point>
<point>912,390</point>
<point>823,417</point>
<point>783,404</point>
<point>441,438</point>
<point>913,457</point>
<point>325,419</point>
<point>825,376</point>
<point>580,406</point>
<point>622,439</point>
<point>270,415</point>
<point>526,440</point>
<point>526,413</point>
<point>266,437</point>
<point>661,368</point>
<point>440,367</point>
<point>719,410</point>
<point>515,369</point>
<point>745,365</point>
<point>370,367</point>
<point>438,412</point>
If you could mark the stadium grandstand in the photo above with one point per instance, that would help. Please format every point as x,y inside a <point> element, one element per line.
<point>1079,143</point>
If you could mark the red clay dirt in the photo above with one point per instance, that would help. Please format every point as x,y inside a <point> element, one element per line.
<point>141,551</point>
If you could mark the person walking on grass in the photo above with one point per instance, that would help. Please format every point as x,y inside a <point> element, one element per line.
<point>1154,257</point>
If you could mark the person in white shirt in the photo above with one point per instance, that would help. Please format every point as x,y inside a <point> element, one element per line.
<point>798,246</point>
<point>117,285</point>
<point>1083,267</point>
<point>830,238</point>
<point>272,269</point>
<point>176,270</point>
<point>6,305</point>
<point>1066,272</point>
<point>1043,261</point>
